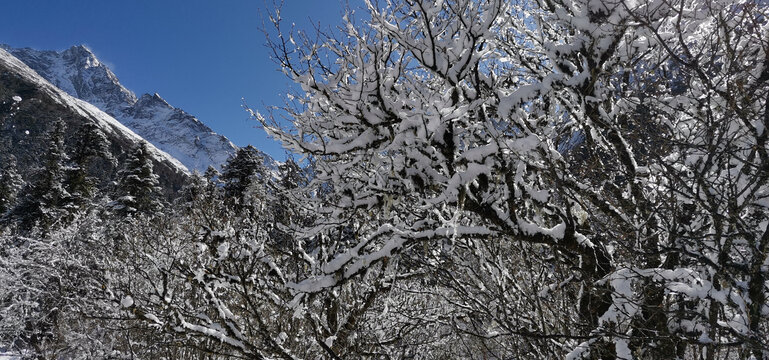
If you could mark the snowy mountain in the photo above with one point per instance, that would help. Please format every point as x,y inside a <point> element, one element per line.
<point>29,104</point>
<point>78,72</point>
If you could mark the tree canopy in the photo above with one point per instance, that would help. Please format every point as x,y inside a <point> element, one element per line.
<point>480,179</point>
<point>588,172</point>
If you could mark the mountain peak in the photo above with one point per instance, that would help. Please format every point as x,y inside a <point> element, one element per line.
<point>78,72</point>
<point>81,50</point>
<point>154,99</point>
<point>51,103</point>
<point>84,58</point>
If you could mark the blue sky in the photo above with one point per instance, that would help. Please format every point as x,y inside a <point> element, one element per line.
<point>200,55</point>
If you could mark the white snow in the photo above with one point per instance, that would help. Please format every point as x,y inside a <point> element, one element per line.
<point>127,301</point>
<point>214,333</point>
<point>623,349</point>
<point>153,318</point>
<point>105,122</point>
<point>9,356</point>
<point>80,74</point>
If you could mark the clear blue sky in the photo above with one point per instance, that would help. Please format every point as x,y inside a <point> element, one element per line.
<point>200,55</point>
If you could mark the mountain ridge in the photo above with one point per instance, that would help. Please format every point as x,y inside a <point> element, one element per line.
<point>78,72</point>
<point>28,103</point>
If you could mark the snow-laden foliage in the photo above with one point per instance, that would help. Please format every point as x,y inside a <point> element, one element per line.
<point>577,177</point>
<point>53,305</point>
<point>90,146</point>
<point>137,189</point>
<point>10,182</point>
<point>45,197</point>
<point>482,179</point>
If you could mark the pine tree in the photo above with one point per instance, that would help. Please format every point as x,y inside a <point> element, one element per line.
<point>44,199</point>
<point>90,145</point>
<point>213,181</point>
<point>291,186</point>
<point>241,172</point>
<point>292,175</point>
<point>10,182</point>
<point>137,189</point>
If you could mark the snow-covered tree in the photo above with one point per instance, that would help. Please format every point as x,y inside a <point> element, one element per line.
<point>137,189</point>
<point>90,144</point>
<point>44,198</point>
<point>488,179</point>
<point>206,277</point>
<point>213,183</point>
<point>243,174</point>
<point>10,183</point>
<point>289,188</point>
<point>55,301</point>
<point>574,177</point>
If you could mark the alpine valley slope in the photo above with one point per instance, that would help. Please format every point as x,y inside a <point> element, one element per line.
<point>29,105</point>
<point>78,72</point>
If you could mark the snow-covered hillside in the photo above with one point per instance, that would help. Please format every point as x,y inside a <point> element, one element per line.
<point>107,123</point>
<point>78,72</point>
